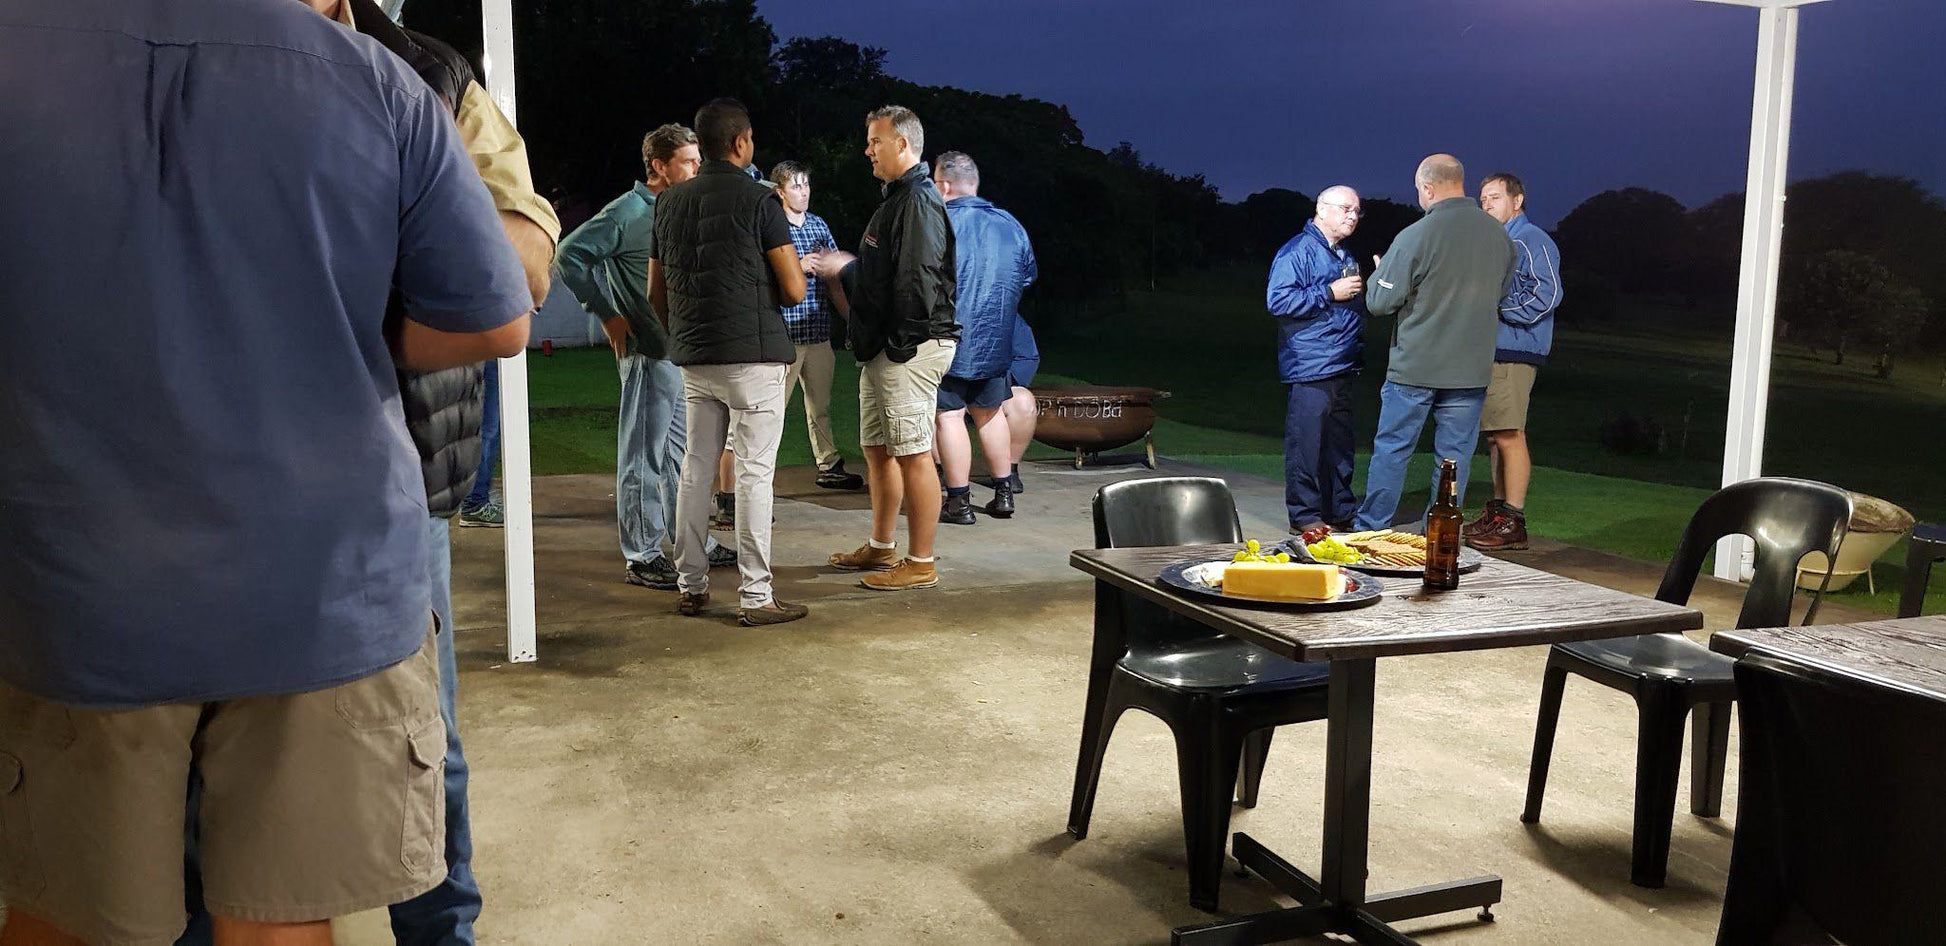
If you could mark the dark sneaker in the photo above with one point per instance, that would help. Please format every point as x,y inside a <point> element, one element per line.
<point>907,575</point>
<point>656,573</point>
<point>865,558</point>
<point>837,478</point>
<point>1488,520</point>
<point>1002,506</point>
<point>691,605</point>
<point>1511,536</point>
<point>722,556</point>
<point>724,519</point>
<point>776,612</point>
<point>957,510</point>
<point>487,515</point>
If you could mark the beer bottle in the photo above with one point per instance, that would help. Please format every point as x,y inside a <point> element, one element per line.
<point>1443,530</point>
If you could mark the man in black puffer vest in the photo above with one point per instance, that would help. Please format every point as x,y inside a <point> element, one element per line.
<point>723,262</point>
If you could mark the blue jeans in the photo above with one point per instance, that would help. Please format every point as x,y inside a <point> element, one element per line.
<point>1318,448</point>
<point>1401,419</point>
<point>650,434</point>
<point>444,915</point>
<point>489,439</point>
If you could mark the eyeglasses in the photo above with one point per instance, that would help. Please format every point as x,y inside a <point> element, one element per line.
<point>1349,210</point>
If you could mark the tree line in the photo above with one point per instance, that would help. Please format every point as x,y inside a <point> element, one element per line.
<point>1862,252</point>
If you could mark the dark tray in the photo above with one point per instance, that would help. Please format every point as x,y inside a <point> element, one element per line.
<point>1359,591</point>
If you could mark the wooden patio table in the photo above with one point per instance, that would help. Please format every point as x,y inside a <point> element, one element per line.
<point>1501,605</point>
<point>1908,653</point>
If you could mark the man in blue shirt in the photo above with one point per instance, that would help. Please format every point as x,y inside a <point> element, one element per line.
<point>1315,294</point>
<point>995,264</point>
<point>1526,336</point>
<point>215,528</point>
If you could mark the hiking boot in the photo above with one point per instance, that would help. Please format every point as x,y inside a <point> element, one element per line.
<point>957,510</point>
<point>691,605</point>
<point>1002,506</point>
<point>1511,536</point>
<point>865,559</point>
<point>1488,517</point>
<point>907,575</point>
<point>487,515</point>
<point>837,478</point>
<point>655,573</point>
<point>722,556</point>
<point>776,612</point>
<point>724,519</point>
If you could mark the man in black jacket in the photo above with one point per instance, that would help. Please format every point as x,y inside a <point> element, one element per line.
<point>904,336</point>
<point>722,264</point>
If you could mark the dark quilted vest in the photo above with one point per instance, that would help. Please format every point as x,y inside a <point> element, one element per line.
<point>443,409</point>
<point>722,295</point>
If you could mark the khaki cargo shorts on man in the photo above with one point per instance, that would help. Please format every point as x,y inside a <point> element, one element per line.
<point>314,805</point>
<point>897,402</point>
<point>1507,395</point>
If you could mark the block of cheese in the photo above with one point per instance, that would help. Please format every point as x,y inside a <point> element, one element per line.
<point>1294,580</point>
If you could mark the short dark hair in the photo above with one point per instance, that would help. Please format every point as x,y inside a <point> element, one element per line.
<point>663,143</point>
<point>719,123</point>
<point>958,167</point>
<point>787,171</point>
<point>1508,181</point>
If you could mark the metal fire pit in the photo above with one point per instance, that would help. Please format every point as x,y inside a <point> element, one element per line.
<point>1090,419</point>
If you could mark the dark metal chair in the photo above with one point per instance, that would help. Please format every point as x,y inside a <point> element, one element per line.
<point>1838,829</point>
<point>1669,674</point>
<point>1926,546</point>
<point>1221,697</point>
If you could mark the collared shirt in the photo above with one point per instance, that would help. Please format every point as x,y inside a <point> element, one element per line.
<point>240,511</point>
<point>605,263</point>
<point>809,322</point>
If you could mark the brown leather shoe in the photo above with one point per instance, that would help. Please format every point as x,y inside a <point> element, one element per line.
<point>907,575</point>
<point>865,558</point>
<point>776,612</point>
<point>691,605</point>
<point>1511,536</point>
<point>1487,521</point>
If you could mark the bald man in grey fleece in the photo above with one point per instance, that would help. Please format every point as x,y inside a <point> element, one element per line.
<point>1443,278</point>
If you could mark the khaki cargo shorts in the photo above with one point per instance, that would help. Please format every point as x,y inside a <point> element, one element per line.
<point>314,805</point>
<point>897,401</point>
<point>1507,395</point>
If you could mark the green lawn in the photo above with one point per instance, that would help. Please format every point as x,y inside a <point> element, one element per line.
<point>1207,341</point>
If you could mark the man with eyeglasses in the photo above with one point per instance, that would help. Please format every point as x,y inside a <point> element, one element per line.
<point>1316,295</point>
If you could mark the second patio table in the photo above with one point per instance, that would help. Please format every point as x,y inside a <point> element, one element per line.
<point>1501,605</point>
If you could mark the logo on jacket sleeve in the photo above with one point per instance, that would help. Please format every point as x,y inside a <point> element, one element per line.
<point>871,240</point>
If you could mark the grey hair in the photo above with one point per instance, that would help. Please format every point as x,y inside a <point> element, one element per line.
<point>1341,190</point>
<point>958,167</point>
<point>904,121</point>
<point>1440,169</point>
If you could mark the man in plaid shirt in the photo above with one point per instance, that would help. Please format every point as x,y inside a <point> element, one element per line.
<point>809,323</point>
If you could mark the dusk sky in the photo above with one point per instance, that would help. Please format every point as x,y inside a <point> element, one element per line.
<point>1576,96</point>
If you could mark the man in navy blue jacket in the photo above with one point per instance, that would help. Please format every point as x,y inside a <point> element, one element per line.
<point>1315,294</point>
<point>995,264</point>
<point>1526,336</point>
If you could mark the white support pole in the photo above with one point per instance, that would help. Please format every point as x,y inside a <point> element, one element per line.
<point>517,485</point>
<point>1763,232</point>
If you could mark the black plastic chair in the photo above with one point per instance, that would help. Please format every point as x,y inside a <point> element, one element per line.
<point>1926,546</point>
<point>1669,674</point>
<point>1838,828</point>
<point>1221,697</point>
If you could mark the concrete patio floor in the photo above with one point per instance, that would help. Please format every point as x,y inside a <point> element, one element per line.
<point>896,768</point>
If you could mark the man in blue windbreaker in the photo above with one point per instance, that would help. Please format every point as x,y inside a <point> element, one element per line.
<point>995,264</point>
<point>1315,294</point>
<point>1526,336</point>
